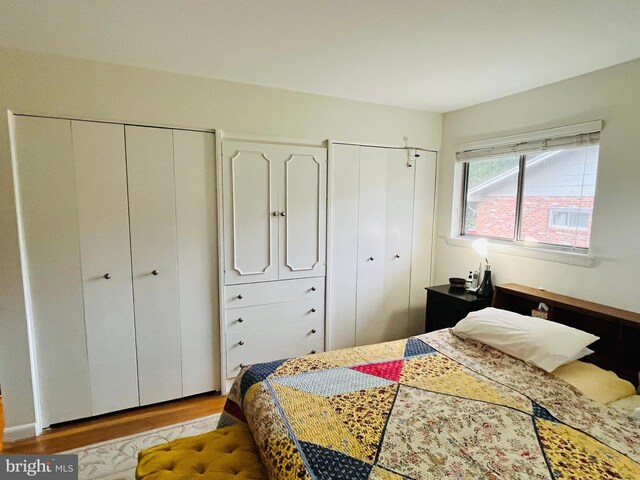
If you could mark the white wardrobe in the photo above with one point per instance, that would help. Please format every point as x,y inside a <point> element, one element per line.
<point>118,244</point>
<point>274,203</point>
<point>382,204</point>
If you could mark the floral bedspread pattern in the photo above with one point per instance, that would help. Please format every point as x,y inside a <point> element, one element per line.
<point>429,407</point>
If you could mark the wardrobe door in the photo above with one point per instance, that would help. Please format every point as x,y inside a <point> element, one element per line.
<point>154,262</point>
<point>251,212</point>
<point>101,183</point>
<point>302,175</point>
<point>371,325</point>
<point>48,221</point>
<point>343,268</point>
<point>197,260</point>
<point>398,238</point>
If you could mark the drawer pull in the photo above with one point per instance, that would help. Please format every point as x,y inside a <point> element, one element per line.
<point>313,330</point>
<point>275,214</point>
<point>397,256</point>
<point>370,259</point>
<point>313,289</point>
<point>240,320</point>
<point>240,297</point>
<point>313,310</point>
<point>312,352</point>
<point>241,342</point>
<point>155,273</point>
<point>107,276</point>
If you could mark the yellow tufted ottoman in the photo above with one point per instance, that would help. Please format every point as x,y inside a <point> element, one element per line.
<point>226,453</point>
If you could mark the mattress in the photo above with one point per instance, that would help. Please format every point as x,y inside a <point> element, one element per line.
<point>428,407</point>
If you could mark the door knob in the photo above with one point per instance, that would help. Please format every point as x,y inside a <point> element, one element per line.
<point>240,297</point>
<point>313,289</point>
<point>313,330</point>
<point>397,256</point>
<point>240,320</point>
<point>241,342</point>
<point>107,276</point>
<point>275,214</point>
<point>283,214</point>
<point>155,272</point>
<point>313,310</point>
<point>371,259</point>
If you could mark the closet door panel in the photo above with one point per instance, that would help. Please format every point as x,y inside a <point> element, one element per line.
<point>343,268</point>
<point>195,182</point>
<point>154,260</point>
<point>251,200</point>
<point>397,258</point>
<point>371,325</point>
<point>303,197</point>
<point>101,180</point>
<point>423,208</point>
<point>48,220</point>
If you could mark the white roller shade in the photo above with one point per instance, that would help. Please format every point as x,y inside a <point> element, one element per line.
<point>554,139</point>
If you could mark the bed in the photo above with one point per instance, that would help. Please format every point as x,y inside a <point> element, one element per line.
<point>432,406</point>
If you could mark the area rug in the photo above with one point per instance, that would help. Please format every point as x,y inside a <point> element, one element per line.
<point>117,459</point>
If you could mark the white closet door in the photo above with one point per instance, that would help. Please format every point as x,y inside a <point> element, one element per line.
<point>154,260</point>
<point>398,239</point>
<point>101,182</point>
<point>303,200</point>
<point>51,255</point>
<point>251,212</point>
<point>343,268</point>
<point>371,325</point>
<point>195,182</point>
<point>424,206</point>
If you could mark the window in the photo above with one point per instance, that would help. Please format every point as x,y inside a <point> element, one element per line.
<point>532,192</point>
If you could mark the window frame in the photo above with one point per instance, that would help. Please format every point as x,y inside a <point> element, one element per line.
<point>515,239</point>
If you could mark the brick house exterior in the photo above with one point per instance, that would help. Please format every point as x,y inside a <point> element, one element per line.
<point>558,200</point>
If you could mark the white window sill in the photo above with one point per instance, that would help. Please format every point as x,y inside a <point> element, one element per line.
<point>571,258</point>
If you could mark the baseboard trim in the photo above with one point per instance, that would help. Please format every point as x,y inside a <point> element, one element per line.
<point>13,434</point>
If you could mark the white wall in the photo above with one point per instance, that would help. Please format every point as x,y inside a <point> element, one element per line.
<point>612,95</point>
<point>53,85</point>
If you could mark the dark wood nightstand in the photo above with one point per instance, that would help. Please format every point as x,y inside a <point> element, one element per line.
<point>447,306</point>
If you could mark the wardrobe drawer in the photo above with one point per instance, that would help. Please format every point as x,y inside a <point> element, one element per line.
<point>275,338</point>
<point>249,294</point>
<point>280,316</point>
<point>262,351</point>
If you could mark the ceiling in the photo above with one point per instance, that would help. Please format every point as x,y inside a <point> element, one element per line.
<point>437,55</point>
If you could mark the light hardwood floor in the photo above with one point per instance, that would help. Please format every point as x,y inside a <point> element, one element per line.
<point>106,427</point>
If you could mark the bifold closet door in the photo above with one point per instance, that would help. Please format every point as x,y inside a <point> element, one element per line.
<point>101,183</point>
<point>154,262</point>
<point>398,227</point>
<point>48,219</point>
<point>196,214</point>
<point>385,217</point>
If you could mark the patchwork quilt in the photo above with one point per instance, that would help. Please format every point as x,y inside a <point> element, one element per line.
<point>429,407</point>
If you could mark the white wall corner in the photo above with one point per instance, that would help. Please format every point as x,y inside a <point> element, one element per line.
<point>19,432</point>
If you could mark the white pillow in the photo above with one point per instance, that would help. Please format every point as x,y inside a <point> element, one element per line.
<point>540,342</point>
